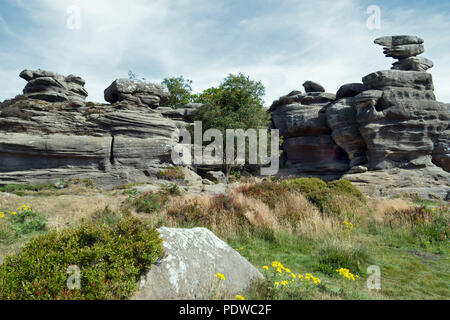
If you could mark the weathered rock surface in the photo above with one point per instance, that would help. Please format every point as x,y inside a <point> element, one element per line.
<point>187,271</point>
<point>53,87</point>
<point>401,123</point>
<point>302,121</point>
<point>428,182</point>
<point>216,176</point>
<point>341,118</point>
<point>136,92</point>
<point>414,64</point>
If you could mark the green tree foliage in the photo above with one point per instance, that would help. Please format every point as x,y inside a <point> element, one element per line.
<point>180,92</point>
<point>236,104</point>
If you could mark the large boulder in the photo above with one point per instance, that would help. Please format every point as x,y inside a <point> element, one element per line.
<point>187,271</point>
<point>311,86</point>
<point>136,92</point>
<point>53,87</point>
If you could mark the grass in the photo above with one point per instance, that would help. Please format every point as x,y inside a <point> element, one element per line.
<point>270,221</point>
<point>48,189</point>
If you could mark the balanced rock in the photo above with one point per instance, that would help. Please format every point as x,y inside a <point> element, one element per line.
<point>311,86</point>
<point>53,87</point>
<point>405,49</point>
<point>187,271</point>
<point>136,92</point>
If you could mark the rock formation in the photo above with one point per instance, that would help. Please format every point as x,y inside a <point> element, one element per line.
<point>42,141</point>
<point>392,130</point>
<point>192,259</point>
<point>53,87</point>
<point>136,92</point>
<point>308,144</point>
<point>405,49</point>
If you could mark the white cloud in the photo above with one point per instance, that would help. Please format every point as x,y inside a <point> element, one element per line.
<point>284,45</point>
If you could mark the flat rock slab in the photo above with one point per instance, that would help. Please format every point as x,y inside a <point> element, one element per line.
<point>187,271</point>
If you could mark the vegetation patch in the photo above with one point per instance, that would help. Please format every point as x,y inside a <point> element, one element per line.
<point>21,222</point>
<point>110,259</point>
<point>149,202</point>
<point>171,174</point>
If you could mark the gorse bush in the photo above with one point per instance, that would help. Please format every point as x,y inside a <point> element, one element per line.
<point>110,258</point>
<point>321,194</point>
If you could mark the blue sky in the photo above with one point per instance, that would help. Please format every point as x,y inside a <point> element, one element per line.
<point>282,43</point>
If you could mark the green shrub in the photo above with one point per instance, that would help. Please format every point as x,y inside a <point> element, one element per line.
<point>111,260</point>
<point>314,189</point>
<point>345,187</point>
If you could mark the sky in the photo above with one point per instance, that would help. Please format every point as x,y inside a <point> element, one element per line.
<point>281,43</point>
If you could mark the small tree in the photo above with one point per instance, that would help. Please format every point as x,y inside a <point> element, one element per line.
<point>236,104</point>
<point>179,92</point>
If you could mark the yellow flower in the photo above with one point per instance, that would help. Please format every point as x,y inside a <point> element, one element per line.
<point>284,283</point>
<point>300,276</point>
<point>276,264</point>
<point>277,283</point>
<point>220,276</point>
<point>2,215</point>
<point>239,297</point>
<point>287,270</point>
<point>265,267</point>
<point>293,276</point>
<point>12,212</point>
